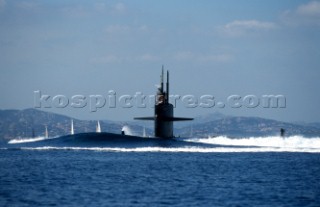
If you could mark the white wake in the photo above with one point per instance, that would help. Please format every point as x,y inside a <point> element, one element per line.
<point>26,140</point>
<point>177,149</point>
<point>293,142</point>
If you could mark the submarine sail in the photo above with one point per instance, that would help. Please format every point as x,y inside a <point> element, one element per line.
<point>163,112</point>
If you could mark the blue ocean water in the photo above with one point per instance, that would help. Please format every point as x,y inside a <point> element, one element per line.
<point>159,176</point>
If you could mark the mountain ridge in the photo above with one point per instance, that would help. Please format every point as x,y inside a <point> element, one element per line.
<point>20,123</point>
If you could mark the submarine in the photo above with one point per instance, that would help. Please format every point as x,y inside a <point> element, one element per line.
<point>163,128</point>
<point>163,121</point>
<point>163,112</point>
<point>163,131</point>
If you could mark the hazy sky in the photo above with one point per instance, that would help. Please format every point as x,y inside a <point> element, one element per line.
<point>219,48</point>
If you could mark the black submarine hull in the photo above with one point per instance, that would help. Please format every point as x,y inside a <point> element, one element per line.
<point>105,139</point>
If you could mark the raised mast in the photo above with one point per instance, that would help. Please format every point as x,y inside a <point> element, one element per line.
<point>167,90</point>
<point>161,79</point>
<point>144,132</point>
<point>98,129</point>
<point>46,135</point>
<point>72,130</point>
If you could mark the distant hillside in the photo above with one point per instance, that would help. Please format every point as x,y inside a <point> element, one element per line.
<point>209,118</point>
<point>201,119</point>
<point>20,123</point>
<point>247,126</point>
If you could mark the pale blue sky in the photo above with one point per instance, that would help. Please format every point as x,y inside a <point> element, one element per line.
<point>219,48</point>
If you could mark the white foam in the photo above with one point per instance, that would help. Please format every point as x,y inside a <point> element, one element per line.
<point>26,140</point>
<point>294,142</point>
<point>178,149</point>
<point>126,129</point>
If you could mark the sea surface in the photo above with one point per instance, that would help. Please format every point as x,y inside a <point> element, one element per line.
<point>217,171</point>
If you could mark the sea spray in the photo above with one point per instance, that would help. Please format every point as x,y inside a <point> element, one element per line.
<point>27,140</point>
<point>126,130</point>
<point>178,149</point>
<point>294,142</point>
